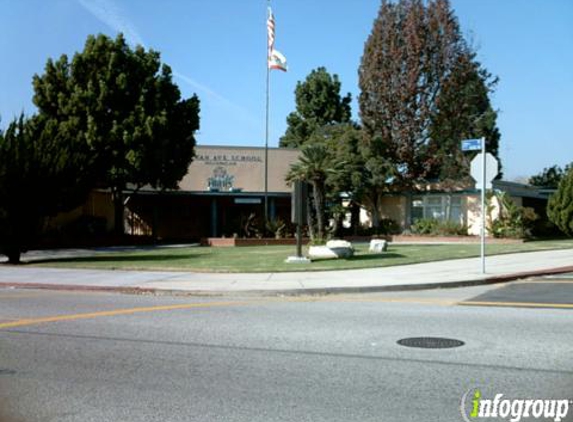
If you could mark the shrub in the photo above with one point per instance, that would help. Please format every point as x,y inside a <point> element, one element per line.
<point>434,227</point>
<point>513,221</point>
<point>451,228</point>
<point>250,226</point>
<point>87,226</point>
<point>387,226</point>
<point>560,206</point>
<point>276,228</point>
<point>425,226</point>
<point>317,242</point>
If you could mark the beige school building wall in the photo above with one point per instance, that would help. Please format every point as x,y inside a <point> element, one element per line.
<point>98,205</point>
<point>474,212</point>
<point>239,169</point>
<point>395,208</point>
<point>222,184</point>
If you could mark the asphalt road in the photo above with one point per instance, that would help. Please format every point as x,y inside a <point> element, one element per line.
<point>78,356</point>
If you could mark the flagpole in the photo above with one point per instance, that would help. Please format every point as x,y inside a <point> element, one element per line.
<point>267,128</point>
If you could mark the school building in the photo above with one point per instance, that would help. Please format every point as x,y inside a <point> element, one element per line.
<point>225,186</point>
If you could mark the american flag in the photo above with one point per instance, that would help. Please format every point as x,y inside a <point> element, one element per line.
<point>271,31</point>
<point>275,59</point>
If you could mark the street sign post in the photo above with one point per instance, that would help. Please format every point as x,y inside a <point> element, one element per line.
<point>491,169</point>
<point>471,144</point>
<point>298,216</point>
<point>484,168</point>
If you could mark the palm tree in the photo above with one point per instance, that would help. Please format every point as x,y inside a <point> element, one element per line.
<point>313,166</point>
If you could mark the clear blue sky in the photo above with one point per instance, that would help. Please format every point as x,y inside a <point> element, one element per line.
<point>218,50</point>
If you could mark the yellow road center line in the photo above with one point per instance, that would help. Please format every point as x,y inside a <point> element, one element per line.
<point>73,317</point>
<point>521,304</point>
<point>131,311</point>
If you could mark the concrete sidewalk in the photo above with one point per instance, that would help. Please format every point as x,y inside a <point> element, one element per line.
<point>443,274</point>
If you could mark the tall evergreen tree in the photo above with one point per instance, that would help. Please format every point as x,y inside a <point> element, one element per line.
<point>463,111</point>
<point>123,105</point>
<point>421,93</point>
<point>318,103</point>
<point>42,172</point>
<point>560,206</point>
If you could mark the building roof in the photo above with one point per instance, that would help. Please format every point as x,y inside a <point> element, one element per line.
<point>523,190</point>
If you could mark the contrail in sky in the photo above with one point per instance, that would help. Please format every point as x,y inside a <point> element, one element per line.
<point>219,98</point>
<point>111,14</point>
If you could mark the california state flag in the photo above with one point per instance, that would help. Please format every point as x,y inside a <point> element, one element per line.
<point>276,60</point>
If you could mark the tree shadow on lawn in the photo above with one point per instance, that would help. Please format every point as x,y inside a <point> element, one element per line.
<point>374,257</point>
<point>122,258</point>
<point>365,257</point>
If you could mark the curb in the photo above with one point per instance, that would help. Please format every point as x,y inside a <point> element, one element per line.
<point>294,292</point>
<point>538,273</point>
<point>78,287</point>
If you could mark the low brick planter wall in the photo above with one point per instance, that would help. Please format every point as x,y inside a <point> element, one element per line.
<point>397,238</point>
<point>229,241</point>
<point>450,239</point>
<point>222,242</point>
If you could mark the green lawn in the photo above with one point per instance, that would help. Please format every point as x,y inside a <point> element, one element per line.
<point>271,258</point>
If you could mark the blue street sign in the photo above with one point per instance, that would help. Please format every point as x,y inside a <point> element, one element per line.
<point>471,144</point>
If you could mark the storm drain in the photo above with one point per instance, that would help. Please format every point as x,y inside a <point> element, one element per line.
<point>430,342</point>
<point>7,372</point>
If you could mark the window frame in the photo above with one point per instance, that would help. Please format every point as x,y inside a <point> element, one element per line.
<point>447,203</point>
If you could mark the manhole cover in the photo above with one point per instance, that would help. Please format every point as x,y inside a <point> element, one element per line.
<point>430,342</point>
<point>7,372</point>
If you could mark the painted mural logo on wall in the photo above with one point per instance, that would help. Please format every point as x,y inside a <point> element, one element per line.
<point>221,180</point>
<point>227,159</point>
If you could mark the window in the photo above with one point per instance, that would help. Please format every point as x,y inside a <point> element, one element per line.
<point>440,207</point>
<point>435,208</point>
<point>417,209</point>
<point>455,213</point>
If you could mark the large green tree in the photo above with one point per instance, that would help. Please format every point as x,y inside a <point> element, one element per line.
<point>354,173</point>
<point>375,181</point>
<point>463,111</point>
<point>331,163</point>
<point>43,171</point>
<point>123,104</point>
<point>550,176</point>
<point>560,206</point>
<point>422,92</point>
<point>318,103</point>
